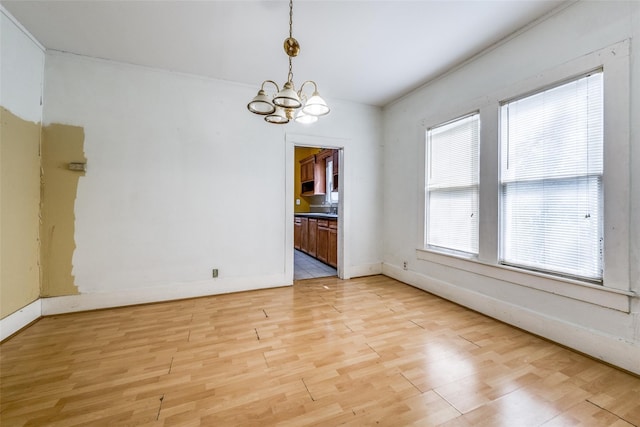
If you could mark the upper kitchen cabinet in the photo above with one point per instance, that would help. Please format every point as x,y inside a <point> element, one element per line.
<point>306,169</point>
<point>313,173</point>
<point>312,176</point>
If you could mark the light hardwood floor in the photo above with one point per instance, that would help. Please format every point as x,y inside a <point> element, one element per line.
<point>368,351</point>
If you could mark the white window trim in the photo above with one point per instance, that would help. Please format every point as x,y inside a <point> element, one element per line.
<point>615,291</point>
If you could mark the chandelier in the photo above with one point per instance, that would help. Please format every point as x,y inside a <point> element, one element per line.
<point>287,104</point>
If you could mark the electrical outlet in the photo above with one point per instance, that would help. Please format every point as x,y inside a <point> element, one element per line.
<point>215,272</point>
<point>405,265</point>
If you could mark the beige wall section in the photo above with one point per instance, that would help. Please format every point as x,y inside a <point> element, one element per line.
<point>61,145</point>
<point>19,212</point>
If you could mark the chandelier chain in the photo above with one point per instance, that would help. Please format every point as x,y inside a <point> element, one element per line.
<point>290,18</point>
<point>290,75</point>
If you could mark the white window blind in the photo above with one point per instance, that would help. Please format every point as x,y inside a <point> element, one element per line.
<point>452,185</point>
<point>551,179</point>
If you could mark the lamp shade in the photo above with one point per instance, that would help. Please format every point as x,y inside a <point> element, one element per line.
<point>261,104</point>
<point>287,97</point>
<point>278,117</point>
<point>316,106</point>
<point>301,117</point>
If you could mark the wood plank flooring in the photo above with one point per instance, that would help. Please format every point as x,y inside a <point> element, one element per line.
<point>368,351</point>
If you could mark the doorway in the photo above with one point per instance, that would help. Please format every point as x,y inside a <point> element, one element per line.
<point>315,208</point>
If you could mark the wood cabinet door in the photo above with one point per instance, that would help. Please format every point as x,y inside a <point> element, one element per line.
<point>313,230</point>
<point>312,176</point>
<point>306,171</point>
<point>304,235</point>
<point>297,232</point>
<point>332,250</point>
<point>322,242</point>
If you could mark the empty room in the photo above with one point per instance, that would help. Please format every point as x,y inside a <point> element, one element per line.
<point>272,212</point>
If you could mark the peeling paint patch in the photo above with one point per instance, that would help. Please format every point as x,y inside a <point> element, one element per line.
<point>61,145</point>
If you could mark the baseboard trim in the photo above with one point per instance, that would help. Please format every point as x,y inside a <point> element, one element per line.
<point>101,300</point>
<point>609,349</point>
<point>363,270</point>
<point>20,319</point>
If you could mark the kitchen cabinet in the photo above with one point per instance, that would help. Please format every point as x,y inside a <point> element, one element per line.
<point>306,169</point>
<point>313,231</point>
<point>312,176</point>
<point>318,238</point>
<point>297,232</point>
<point>322,241</point>
<point>304,234</point>
<point>332,251</point>
<point>313,170</point>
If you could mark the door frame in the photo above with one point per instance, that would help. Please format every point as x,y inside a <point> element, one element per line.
<point>299,140</point>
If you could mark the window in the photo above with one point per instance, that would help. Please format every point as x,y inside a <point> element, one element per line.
<point>551,171</point>
<point>452,185</point>
<point>554,197</point>
<point>331,195</point>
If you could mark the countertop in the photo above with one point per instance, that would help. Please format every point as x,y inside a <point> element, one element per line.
<point>316,215</point>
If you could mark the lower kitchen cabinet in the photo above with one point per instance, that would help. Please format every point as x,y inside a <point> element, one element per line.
<point>322,243</point>
<point>332,252</point>
<point>317,237</point>
<point>304,235</point>
<point>313,242</point>
<point>297,232</point>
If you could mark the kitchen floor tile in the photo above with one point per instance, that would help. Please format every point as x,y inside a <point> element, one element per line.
<point>307,267</point>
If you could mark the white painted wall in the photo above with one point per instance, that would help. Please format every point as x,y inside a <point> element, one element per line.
<point>603,324</point>
<point>181,178</point>
<point>21,70</point>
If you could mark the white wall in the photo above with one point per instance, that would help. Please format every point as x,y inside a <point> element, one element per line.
<point>181,178</point>
<point>603,323</point>
<point>21,73</point>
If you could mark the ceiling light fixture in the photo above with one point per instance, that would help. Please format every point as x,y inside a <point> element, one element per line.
<point>282,108</point>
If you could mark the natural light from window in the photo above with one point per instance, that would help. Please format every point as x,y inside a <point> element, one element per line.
<point>551,179</point>
<point>452,185</point>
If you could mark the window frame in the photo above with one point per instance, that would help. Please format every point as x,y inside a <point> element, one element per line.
<point>614,292</point>
<point>501,212</point>
<point>427,194</point>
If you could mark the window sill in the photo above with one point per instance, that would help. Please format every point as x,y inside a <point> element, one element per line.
<point>583,291</point>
